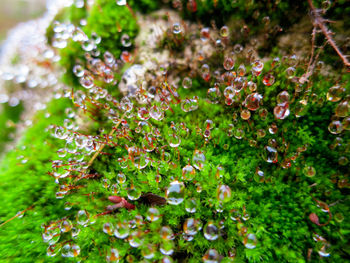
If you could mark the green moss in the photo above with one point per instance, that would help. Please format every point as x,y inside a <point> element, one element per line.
<point>275,207</point>
<point>25,182</point>
<point>9,117</point>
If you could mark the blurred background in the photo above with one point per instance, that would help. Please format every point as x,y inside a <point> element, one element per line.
<point>14,11</point>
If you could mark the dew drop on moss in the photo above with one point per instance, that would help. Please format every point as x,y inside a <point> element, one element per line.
<point>270,154</point>
<point>211,256</point>
<point>121,2</point>
<point>335,93</point>
<point>191,205</point>
<point>223,193</point>
<point>192,226</point>
<point>153,214</point>
<point>166,233</point>
<point>335,127</point>
<point>134,193</point>
<point>309,171</point>
<point>211,231</point>
<point>136,238</point>
<point>253,101</point>
<point>66,225</point>
<point>198,159</point>
<point>82,217</point>
<point>125,40</point>
<point>53,250</point>
<point>250,241</point>
<point>188,172</point>
<point>113,255</point>
<point>175,193</point>
<point>108,228</point>
<point>268,80</point>
<point>121,230</point>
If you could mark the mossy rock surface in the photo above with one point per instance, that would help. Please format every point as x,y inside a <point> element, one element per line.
<point>271,187</point>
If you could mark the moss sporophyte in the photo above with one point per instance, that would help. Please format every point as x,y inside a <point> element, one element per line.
<point>182,136</point>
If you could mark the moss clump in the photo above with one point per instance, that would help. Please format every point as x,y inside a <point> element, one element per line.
<point>248,163</point>
<point>9,116</point>
<point>26,184</point>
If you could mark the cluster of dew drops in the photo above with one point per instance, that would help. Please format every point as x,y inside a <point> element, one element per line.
<point>139,113</point>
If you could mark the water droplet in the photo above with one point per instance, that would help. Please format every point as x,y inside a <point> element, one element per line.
<point>87,81</point>
<point>241,71</point>
<point>167,247</point>
<point>342,109</point>
<point>335,93</point>
<point>75,231</point>
<point>136,238</point>
<point>177,28</point>
<point>245,114</point>
<point>205,34</point>
<point>237,48</point>
<point>335,127</point>
<point>149,251</point>
<point>187,83</point>
<point>192,226</point>
<point>121,2</point>
<point>175,193</point>
<point>113,255</point>
<point>211,256</point>
<point>257,67</point>
<point>191,205</point>
<point>121,178</point>
<point>211,231</point>
<point>198,159</point>
<point>326,5</point>
<point>70,250</point>
<point>188,172</point>
<point>229,63</point>
<point>251,86</point>
<point>66,225</point>
<point>143,113</point>
<point>253,101</point>
<point>51,234</point>
<point>281,111</point>
<point>270,154</point>
<point>268,80</point>
<point>223,193</point>
<point>339,217</point>
<point>224,32</point>
<point>53,250</point>
<point>290,72</point>
<point>88,45</point>
<point>250,241</point>
<point>309,171</point>
<point>166,233</point>
<point>134,193</point>
<point>346,123</point>
<point>188,105</point>
<point>78,71</point>
<point>60,133</point>
<point>167,259</point>
<point>125,40</point>
<point>82,217</point>
<point>235,215</point>
<point>153,214</point>
<point>323,248</point>
<point>108,228</point>
<point>121,230</point>
<point>126,56</point>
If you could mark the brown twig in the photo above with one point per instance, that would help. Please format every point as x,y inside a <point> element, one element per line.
<point>319,22</point>
<point>17,215</point>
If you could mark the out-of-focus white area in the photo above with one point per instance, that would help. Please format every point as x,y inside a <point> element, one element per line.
<point>14,11</point>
